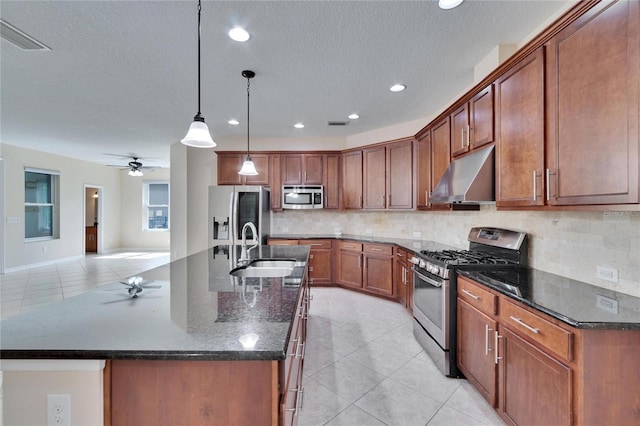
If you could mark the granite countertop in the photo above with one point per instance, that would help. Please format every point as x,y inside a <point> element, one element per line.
<point>413,245</point>
<point>193,310</point>
<point>576,303</point>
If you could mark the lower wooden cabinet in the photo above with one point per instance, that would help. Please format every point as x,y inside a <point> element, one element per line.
<point>349,264</point>
<point>378,268</point>
<point>320,261</point>
<point>537,370</point>
<point>403,279</point>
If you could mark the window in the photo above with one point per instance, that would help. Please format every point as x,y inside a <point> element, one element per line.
<point>41,218</point>
<point>156,206</point>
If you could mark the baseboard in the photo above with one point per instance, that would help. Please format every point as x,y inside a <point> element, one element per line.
<point>39,264</point>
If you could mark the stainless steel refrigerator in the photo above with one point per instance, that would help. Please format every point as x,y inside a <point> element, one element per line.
<point>230,207</point>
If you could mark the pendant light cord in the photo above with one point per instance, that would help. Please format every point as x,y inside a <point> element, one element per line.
<point>248,84</point>
<point>199,34</point>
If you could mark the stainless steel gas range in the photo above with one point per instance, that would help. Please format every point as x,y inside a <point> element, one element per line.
<point>435,287</point>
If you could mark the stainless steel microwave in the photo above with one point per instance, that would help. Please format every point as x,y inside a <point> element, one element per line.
<point>302,196</point>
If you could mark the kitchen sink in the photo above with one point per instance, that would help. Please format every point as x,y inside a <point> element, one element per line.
<point>265,268</point>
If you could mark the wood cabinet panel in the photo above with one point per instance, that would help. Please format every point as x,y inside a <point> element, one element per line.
<point>275,182</point>
<point>400,175</point>
<point>460,131</point>
<point>423,171</point>
<point>349,264</point>
<point>229,165</point>
<point>593,72</point>
<point>476,357</point>
<point>313,169</point>
<point>378,274</point>
<point>374,181</point>
<point>520,132</point>
<point>302,169</point>
<point>477,296</point>
<point>332,182</point>
<point>320,261</point>
<point>440,151</point>
<point>535,389</point>
<point>352,180</point>
<point>481,118</point>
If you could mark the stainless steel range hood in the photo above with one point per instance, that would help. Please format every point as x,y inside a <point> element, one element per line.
<point>469,179</point>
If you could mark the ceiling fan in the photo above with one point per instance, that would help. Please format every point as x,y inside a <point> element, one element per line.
<point>135,166</point>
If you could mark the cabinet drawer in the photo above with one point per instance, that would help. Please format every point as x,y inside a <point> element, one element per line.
<point>378,249</point>
<point>283,242</point>
<point>316,244</point>
<point>477,296</point>
<point>553,337</point>
<point>348,245</point>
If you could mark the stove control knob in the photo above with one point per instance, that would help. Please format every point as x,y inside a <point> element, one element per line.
<point>422,264</point>
<point>414,260</point>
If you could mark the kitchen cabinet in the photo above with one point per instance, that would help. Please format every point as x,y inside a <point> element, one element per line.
<point>477,309</point>
<point>472,123</point>
<point>349,264</point>
<point>320,261</point>
<point>433,158</point>
<point>378,268</point>
<point>275,182</point>
<point>332,182</point>
<point>279,242</point>
<point>423,171</point>
<point>91,239</point>
<point>388,176</point>
<point>352,180</point>
<point>229,165</point>
<point>548,372</point>
<point>593,79</point>
<point>302,169</point>
<point>403,279</point>
<point>520,133</point>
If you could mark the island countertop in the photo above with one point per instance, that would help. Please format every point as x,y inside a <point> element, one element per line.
<point>193,310</point>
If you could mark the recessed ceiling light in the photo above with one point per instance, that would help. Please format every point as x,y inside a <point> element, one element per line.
<point>233,122</point>
<point>354,117</point>
<point>397,87</point>
<point>239,34</point>
<point>449,4</point>
<point>298,126</point>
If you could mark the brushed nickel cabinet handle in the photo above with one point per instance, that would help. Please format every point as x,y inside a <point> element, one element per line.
<point>535,189</point>
<point>468,293</point>
<point>525,325</point>
<point>487,329</point>
<point>375,249</point>
<point>497,336</point>
<point>548,192</point>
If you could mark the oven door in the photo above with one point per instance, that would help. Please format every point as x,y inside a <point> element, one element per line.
<point>431,305</point>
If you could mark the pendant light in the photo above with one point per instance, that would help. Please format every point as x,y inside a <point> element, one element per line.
<point>198,135</point>
<point>248,168</point>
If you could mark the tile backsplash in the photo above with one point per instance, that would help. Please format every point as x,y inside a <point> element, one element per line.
<point>567,243</point>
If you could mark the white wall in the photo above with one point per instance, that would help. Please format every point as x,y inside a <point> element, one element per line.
<point>74,174</point>
<point>132,236</point>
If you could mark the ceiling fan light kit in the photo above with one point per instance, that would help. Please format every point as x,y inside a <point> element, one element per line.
<point>198,135</point>
<point>248,168</point>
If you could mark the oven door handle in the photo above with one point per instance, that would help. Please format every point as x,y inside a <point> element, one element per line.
<point>427,279</point>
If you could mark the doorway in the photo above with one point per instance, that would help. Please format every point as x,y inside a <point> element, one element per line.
<point>92,218</point>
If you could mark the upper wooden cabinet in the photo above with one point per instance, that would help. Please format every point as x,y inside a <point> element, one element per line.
<point>352,180</point>
<point>275,182</point>
<point>388,176</point>
<point>302,169</point>
<point>593,78</point>
<point>520,133</point>
<point>332,182</point>
<point>229,165</point>
<point>472,123</point>
<point>423,171</point>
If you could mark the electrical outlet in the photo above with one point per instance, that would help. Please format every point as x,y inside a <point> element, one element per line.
<point>607,274</point>
<point>417,234</point>
<point>58,410</point>
<point>607,304</point>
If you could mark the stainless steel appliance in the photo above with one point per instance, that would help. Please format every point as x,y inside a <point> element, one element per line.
<point>435,287</point>
<point>302,196</point>
<point>231,207</point>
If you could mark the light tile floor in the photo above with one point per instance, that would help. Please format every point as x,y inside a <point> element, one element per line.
<point>28,289</point>
<point>364,367</point>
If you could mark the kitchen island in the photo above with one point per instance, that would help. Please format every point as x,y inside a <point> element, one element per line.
<point>197,346</point>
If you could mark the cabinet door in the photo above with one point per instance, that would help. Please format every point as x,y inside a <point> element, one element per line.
<point>476,357</point>
<point>313,169</point>
<point>320,266</point>
<point>423,172</point>
<point>350,268</point>
<point>440,149</point>
<point>378,274</point>
<point>332,182</point>
<point>481,118</point>
<point>275,182</point>
<point>535,389</point>
<point>520,132</point>
<point>292,169</point>
<point>460,131</point>
<point>228,167</point>
<point>593,72</point>
<point>261,162</point>
<point>374,188</point>
<point>399,277</point>
<point>352,180</point>
<point>400,175</point>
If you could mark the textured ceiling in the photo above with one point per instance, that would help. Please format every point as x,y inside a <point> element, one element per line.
<point>120,77</point>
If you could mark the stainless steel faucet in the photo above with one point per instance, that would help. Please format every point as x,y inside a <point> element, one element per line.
<point>244,256</point>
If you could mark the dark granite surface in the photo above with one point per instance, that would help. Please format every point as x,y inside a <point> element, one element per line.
<point>193,310</point>
<point>576,303</point>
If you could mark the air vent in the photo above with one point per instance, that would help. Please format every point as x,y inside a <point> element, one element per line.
<point>338,123</point>
<point>22,40</point>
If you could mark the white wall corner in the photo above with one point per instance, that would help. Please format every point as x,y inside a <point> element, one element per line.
<point>494,58</point>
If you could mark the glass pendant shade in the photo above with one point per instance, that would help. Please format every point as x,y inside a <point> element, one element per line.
<point>248,168</point>
<point>198,135</point>
<point>135,172</point>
